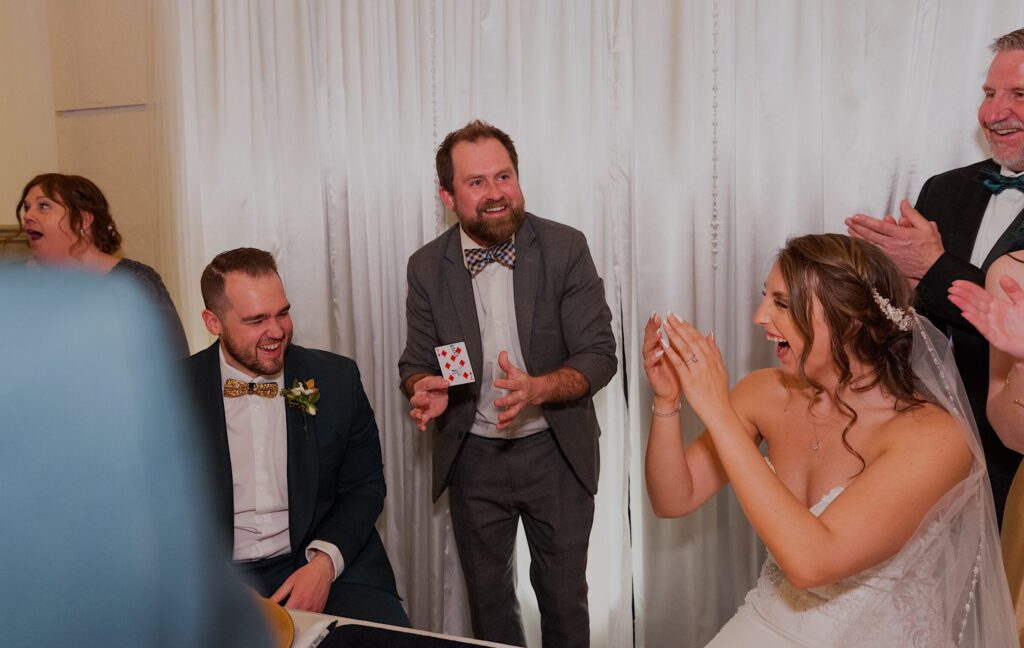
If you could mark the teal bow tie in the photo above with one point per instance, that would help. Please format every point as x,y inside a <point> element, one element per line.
<point>997,182</point>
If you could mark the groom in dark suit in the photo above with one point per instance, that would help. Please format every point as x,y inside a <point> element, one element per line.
<point>964,220</point>
<point>520,442</point>
<point>298,481</point>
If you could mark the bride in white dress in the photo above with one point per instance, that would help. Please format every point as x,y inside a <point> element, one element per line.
<point>873,502</point>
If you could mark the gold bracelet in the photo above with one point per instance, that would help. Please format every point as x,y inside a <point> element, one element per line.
<point>679,405</point>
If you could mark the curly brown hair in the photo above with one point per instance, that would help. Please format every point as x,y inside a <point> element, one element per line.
<point>474,131</point>
<point>841,272</point>
<point>78,196</point>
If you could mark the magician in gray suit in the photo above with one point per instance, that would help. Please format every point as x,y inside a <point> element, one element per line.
<point>521,295</point>
<point>298,482</point>
<point>964,220</point>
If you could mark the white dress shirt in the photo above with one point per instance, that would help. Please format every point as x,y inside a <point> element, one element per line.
<point>258,444</point>
<point>496,313</point>
<point>1002,208</point>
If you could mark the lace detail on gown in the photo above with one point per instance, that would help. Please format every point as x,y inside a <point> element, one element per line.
<point>902,617</point>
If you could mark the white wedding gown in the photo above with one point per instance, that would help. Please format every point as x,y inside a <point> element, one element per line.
<point>778,615</point>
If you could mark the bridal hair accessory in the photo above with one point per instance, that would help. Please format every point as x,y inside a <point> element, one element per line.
<point>902,319</point>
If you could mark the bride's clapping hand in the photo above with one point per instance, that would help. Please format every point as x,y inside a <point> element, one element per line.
<point>659,370</point>
<point>698,365</point>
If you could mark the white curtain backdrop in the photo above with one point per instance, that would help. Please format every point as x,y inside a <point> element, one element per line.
<point>688,139</point>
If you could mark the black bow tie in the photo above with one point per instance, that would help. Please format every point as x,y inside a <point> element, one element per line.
<point>478,258</point>
<point>996,182</point>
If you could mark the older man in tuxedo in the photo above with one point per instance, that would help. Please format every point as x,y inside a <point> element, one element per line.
<point>298,480</point>
<point>520,442</point>
<point>964,220</point>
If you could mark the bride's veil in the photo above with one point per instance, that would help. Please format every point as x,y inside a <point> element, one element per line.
<point>956,545</point>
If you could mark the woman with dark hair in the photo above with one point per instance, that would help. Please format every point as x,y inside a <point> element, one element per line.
<point>67,221</point>
<point>873,501</point>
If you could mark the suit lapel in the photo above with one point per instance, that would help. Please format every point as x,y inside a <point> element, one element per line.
<point>303,466</point>
<point>1006,242</point>
<point>460,286</point>
<point>524,284</point>
<point>211,409</point>
<point>971,205</point>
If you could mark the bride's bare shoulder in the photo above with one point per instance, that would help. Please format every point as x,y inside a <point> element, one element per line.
<point>763,388</point>
<point>928,425</point>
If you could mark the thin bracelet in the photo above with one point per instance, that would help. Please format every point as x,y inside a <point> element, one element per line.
<point>679,404</point>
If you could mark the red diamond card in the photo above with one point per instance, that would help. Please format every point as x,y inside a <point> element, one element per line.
<point>454,362</point>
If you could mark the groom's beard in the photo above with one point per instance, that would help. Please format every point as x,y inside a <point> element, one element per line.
<point>250,359</point>
<point>488,230</point>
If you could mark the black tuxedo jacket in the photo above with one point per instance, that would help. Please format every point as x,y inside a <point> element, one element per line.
<point>956,200</point>
<point>562,319</point>
<point>335,476</point>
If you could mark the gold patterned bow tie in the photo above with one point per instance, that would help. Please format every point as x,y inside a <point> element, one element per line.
<point>234,388</point>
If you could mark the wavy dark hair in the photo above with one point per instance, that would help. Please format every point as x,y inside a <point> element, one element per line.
<point>841,272</point>
<point>78,196</point>
<point>474,131</point>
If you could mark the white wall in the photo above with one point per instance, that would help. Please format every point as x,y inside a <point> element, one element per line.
<point>28,127</point>
<point>76,100</point>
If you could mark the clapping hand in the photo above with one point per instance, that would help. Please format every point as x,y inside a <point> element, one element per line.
<point>1002,323</point>
<point>913,243</point>
<point>659,369</point>
<point>698,366</point>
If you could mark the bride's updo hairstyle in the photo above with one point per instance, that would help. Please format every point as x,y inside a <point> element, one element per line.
<point>841,272</point>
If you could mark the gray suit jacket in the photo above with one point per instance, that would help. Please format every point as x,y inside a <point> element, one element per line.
<point>563,321</point>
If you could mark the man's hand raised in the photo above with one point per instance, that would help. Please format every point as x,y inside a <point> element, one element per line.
<point>429,400</point>
<point>913,243</point>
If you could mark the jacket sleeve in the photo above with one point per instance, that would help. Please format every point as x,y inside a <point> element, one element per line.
<point>418,356</point>
<point>933,289</point>
<point>586,319</point>
<point>350,520</point>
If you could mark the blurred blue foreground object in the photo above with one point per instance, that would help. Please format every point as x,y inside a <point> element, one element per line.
<point>106,534</point>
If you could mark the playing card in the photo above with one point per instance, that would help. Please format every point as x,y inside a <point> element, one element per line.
<point>454,362</point>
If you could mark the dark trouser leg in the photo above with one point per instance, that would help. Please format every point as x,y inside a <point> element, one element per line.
<point>355,601</point>
<point>485,525</point>
<point>558,514</point>
<point>349,600</point>
<point>266,576</point>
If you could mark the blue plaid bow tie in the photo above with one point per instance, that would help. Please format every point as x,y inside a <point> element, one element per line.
<point>996,182</point>
<point>478,258</point>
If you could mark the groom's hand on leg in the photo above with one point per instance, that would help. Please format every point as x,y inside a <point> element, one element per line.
<point>307,588</point>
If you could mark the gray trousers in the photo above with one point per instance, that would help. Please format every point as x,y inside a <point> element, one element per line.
<point>495,483</point>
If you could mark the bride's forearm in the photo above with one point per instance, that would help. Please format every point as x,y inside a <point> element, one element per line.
<point>668,476</point>
<point>794,536</point>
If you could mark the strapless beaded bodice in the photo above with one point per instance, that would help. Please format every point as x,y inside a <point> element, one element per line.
<point>818,616</point>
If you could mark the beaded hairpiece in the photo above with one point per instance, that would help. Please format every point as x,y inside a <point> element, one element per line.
<point>902,320</point>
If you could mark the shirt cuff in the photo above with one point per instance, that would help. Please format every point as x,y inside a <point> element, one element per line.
<point>332,552</point>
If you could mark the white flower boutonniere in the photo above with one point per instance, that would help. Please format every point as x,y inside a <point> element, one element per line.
<point>303,395</point>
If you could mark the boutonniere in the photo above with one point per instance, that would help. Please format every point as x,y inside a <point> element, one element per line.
<point>305,396</point>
